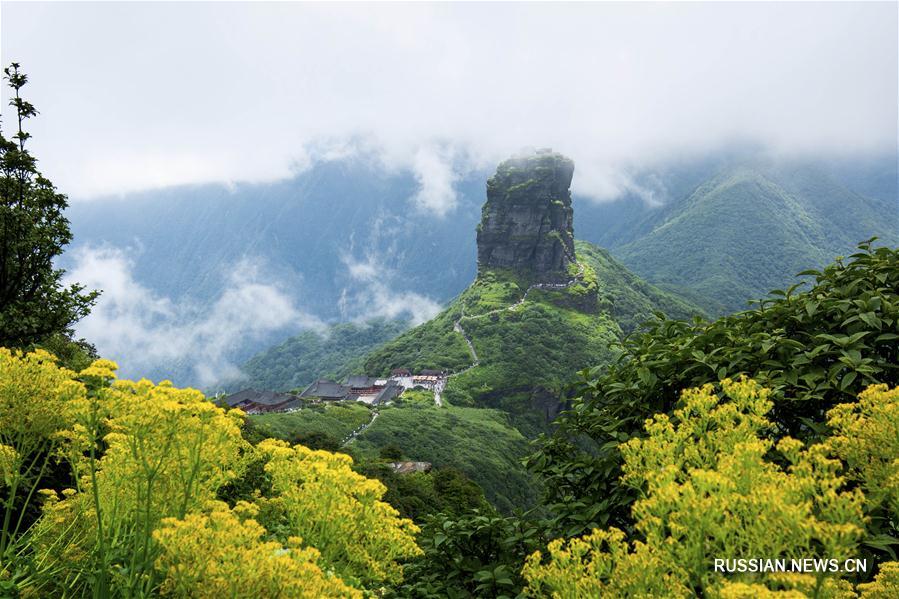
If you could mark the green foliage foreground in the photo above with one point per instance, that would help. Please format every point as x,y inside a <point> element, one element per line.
<point>711,485</point>
<point>813,349</point>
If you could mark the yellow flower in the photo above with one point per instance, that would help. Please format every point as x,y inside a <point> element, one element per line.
<point>220,555</point>
<point>166,453</point>
<point>103,369</point>
<point>9,463</point>
<point>885,584</point>
<point>337,511</point>
<point>866,437</point>
<point>706,491</point>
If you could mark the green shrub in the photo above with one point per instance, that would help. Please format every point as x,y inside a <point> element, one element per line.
<point>478,554</point>
<point>813,349</point>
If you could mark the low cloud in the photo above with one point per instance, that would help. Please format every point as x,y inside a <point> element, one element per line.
<point>146,332</point>
<point>604,184</point>
<point>372,294</point>
<point>273,87</point>
<point>435,175</point>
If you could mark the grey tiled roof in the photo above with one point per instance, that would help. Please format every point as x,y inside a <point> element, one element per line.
<point>325,389</point>
<point>388,393</point>
<point>266,398</point>
<point>360,381</point>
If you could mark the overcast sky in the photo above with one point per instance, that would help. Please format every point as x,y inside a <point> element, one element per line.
<point>135,96</point>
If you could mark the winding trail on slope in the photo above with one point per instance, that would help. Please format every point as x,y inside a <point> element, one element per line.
<point>438,401</point>
<point>475,360</point>
<point>352,436</point>
<point>457,324</point>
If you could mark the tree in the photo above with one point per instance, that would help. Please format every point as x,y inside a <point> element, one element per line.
<point>34,304</point>
<point>392,452</point>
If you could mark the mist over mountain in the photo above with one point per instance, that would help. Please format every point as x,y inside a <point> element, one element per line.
<point>339,242</point>
<point>231,270</point>
<point>751,225</point>
<point>318,234</point>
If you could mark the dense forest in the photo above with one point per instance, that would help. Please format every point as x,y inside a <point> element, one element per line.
<point>749,226</point>
<point>769,433</point>
<point>301,359</point>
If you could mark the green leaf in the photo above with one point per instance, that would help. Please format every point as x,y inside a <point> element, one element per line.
<point>848,379</point>
<point>811,308</point>
<point>483,575</point>
<point>870,319</point>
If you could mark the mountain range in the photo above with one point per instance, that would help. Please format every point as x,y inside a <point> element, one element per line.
<point>748,229</point>
<point>345,242</point>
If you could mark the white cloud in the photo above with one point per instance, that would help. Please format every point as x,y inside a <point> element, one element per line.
<point>603,183</point>
<point>435,176</point>
<point>147,331</point>
<point>253,91</point>
<point>373,296</point>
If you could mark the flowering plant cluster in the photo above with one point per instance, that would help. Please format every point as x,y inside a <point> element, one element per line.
<point>711,484</point>
<point>136,511</point>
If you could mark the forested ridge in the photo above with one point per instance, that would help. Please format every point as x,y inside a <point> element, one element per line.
<point>748,228</point>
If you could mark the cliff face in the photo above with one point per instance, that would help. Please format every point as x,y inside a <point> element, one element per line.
<point>526,223</point>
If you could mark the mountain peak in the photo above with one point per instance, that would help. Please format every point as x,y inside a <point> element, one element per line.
<point>526,223</point>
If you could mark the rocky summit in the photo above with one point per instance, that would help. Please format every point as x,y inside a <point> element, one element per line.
<point>526,222</point>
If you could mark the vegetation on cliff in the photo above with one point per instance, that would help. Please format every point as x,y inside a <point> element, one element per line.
<point>527,353</point>
<point>530,345</point>
<point>526,221</point>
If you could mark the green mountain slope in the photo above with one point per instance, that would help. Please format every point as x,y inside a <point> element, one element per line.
<point>541,309</point>
<point>749,230</point>
<point>536,343</point>
<point>523,354</point>
<point>629,299</point>
<point>481,443</point>
<point>310,355</point>
<point>334,420</point>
